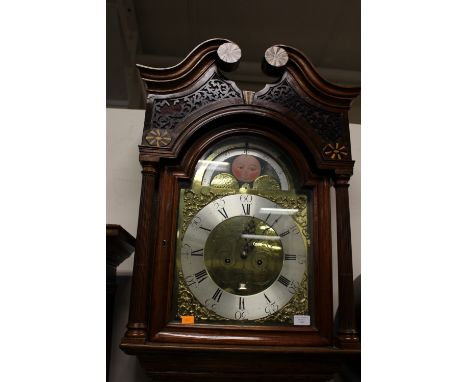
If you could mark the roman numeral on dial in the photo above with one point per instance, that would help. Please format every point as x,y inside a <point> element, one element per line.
<point>202,275</point>
<point>290,257</point>
<point>283,280</point>
<point>246,209</point>
<point>223,213</point>
<point>198,252</point>
<point>241,303</point>
<point>217,295</point>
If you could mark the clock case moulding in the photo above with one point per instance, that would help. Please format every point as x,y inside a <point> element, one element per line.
<point>189,108</point>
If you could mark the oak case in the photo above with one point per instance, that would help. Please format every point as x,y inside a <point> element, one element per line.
<point>190,108</point>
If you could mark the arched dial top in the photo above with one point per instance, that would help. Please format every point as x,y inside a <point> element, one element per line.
<point>243,164</point>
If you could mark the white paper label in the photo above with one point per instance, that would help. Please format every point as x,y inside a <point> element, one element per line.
<point>301,320</point>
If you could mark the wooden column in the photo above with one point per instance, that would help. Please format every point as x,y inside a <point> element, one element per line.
<point>347,334</point>
<point>137,316</point>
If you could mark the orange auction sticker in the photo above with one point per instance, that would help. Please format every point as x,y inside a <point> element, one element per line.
<point>188,319</point>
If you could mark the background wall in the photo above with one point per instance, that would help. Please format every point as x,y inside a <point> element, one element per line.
<point>123,182</point>
<point>161,33</point>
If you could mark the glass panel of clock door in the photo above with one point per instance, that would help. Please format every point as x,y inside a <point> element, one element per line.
<point>243,251</point>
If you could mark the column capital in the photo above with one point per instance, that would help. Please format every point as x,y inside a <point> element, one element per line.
<point>149,168</point>
<point>341,181</point>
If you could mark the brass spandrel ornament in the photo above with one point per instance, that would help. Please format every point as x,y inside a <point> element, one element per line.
<point>266,182</point>
<point>224,180</point>
<point>298,305</point>
<point>188,305</point>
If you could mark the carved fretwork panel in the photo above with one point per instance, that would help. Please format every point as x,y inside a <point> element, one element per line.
<point>302,95</point>
<point>328,125</point>
<point>168,112</point>
<point>331,127</point>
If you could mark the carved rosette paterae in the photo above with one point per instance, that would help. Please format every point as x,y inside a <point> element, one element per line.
<point>337,151</point>
<point>158,137</point>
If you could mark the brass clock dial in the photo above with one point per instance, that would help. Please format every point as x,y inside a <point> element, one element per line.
<point>243,257</point>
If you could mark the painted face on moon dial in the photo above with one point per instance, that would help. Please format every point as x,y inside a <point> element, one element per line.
<point>243,256</point>
<point>246,168</point>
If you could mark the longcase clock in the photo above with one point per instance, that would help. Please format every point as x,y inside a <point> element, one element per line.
<point>232,275</point>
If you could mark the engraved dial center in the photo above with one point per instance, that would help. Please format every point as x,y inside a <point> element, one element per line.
<point>240,256</point>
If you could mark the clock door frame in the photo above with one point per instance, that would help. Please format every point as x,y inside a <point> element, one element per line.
<point>176,174</point>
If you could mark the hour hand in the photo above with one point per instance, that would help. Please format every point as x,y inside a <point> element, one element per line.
<point>248,243</point>
<point>247,247</point>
